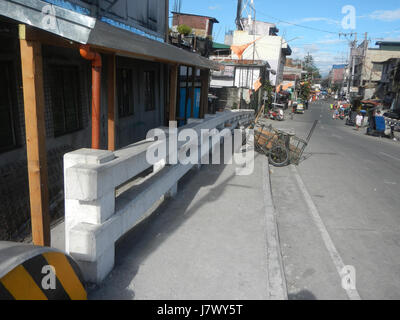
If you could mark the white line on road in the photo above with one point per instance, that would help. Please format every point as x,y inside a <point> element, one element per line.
<point>335,256</point>
<point>388,155</point>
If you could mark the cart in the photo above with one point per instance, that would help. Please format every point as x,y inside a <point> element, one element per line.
<point>282,148</point>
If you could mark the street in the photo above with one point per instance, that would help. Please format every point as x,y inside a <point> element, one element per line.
<point>339,208</point>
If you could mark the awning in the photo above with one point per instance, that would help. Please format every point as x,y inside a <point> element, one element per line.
<point>124,42</point>
<point>84,29</point>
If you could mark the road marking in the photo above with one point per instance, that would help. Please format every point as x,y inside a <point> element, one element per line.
<point>388,155</point>
<point>335,256</point>
<point>276,275</point>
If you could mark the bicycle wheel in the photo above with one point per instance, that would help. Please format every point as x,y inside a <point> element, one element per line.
<point>279,156</point>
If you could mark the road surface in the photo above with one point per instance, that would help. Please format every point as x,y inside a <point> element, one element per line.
<point>340,207</point>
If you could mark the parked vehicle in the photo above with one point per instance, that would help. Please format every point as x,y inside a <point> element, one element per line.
<point>276,114</point>
<point>272,114</point>
<point>392,115</point>
<point>300,107</point>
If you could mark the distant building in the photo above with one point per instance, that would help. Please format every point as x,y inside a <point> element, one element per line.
<point>259,27</point>
<point>368,71</point>
<point>388,88</point>
<point>202,25</point>
<point>237,84</point>
<point>267,47</point>
<point>337,74</point>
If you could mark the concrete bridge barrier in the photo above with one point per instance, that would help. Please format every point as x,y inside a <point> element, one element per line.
<point>104,200</point>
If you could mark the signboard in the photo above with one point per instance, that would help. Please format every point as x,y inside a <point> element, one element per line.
<point>354,89</point>
<point>146,15</point>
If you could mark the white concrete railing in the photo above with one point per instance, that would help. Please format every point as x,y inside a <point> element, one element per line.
<point>95,218</point>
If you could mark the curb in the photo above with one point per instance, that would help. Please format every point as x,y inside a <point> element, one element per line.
<point>277,289</point>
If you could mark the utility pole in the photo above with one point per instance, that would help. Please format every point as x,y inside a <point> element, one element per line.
<point>353,60</point>
<point>351,66</point>
<point>239,15</point>
<point>365,56</point>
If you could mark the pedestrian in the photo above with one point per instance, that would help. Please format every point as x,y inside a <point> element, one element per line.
<point>336,114</point>
<point>359,120</point>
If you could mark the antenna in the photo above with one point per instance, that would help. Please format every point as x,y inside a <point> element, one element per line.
<point>239,15</point>
<point>177,6</point>
<point>248,10</point>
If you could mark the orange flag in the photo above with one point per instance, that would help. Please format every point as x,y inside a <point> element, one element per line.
<point>257,84</point>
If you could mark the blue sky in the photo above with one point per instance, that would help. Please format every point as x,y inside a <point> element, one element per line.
<point>381,19</point>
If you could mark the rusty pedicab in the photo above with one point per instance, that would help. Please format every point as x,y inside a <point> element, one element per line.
<point>281,147</point>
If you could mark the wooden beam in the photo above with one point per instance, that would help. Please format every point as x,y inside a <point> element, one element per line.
<point>173,83</point>
<point>33,34</point>
<point>34,108</point>
<point>111,83</point>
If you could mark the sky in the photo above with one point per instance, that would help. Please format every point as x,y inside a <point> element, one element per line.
<point>381,19</point>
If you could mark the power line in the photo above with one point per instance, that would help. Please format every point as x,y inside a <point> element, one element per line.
<point>297,25</point>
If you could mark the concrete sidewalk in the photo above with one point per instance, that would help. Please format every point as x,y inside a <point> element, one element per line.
<point>216,240</point>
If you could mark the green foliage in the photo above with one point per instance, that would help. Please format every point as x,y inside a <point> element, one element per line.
<point>305,91</point>
<point>268,89</point>
<point>184,29</point>
<point>310,67</point>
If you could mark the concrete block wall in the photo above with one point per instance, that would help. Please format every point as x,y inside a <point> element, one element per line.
<point>95,218</point>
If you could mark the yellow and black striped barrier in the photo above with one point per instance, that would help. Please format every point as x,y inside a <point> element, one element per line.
<point>30,272</point>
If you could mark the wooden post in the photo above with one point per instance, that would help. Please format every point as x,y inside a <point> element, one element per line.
<point>204,92</point>
<point>32,77</point>
<point>111,83</point>
<point>173,83</point>
<point>192,93</point>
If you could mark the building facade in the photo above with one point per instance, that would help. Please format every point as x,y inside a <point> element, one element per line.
<point>202,26</point>
<point>368,72</point>
<point>135,73</point>
<point>266,47</point>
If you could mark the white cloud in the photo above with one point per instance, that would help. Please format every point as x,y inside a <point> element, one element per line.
<point>312,48</point>
<point>385,15</point>
<point>323,59</point>
<point>213,7</point>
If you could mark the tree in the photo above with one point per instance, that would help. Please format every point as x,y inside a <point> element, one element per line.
<point>310,67</point>
<point>268,89</point>
<point>184,29</point>
<point>305,90</point>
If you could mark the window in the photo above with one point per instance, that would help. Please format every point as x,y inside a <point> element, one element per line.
<point>125,92</point>
<point>377,67</point>
<point>66,100</point>
<point>149,83</point>
<point>8,138</point>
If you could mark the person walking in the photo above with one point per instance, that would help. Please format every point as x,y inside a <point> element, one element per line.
<point>359,120</point>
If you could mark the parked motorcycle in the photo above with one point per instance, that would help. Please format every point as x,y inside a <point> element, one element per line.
<point>276,115</point>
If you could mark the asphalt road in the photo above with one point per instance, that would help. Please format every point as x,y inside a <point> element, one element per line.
<point>340,206</point>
